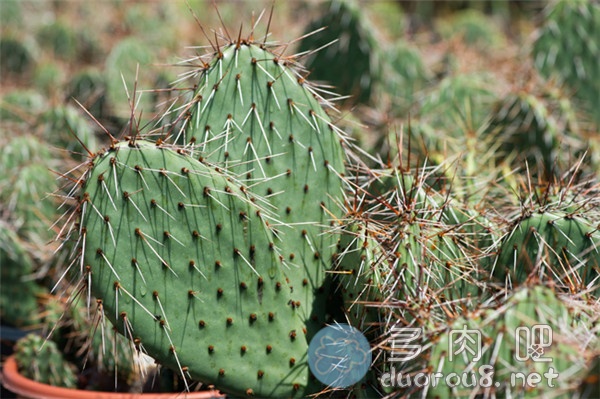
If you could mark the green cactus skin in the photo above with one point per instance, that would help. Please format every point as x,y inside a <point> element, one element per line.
<point>254,117</point>
<point>186,266</point>
<point>568,47</point>
<point>524,308</point>
<point>351,64</point>
<point>42,361</point>
<point>552,246</point>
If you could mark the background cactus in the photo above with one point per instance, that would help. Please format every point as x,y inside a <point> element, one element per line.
<point>42,361</point>
<point>539,126</point>
<point>502,350</point>
<point>567,48</point>
<point>354,45</point>
<point>19,290</point>
<point>555,245</point>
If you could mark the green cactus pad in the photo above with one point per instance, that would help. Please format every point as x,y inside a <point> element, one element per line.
<point>553,246</point>
<point>187,267</point>
<point>253,116</point>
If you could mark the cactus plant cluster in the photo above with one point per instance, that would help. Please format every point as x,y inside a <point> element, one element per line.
<point>253,187</point>
<point>221,236</point>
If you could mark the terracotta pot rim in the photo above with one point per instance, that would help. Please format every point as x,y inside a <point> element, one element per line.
<point>20,385</point>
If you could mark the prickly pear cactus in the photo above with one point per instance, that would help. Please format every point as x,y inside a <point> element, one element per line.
<point>253,116</point>
<point>499,360</point>
<point>551,245</point>
<point>186,265</point>
<point>42,361</point>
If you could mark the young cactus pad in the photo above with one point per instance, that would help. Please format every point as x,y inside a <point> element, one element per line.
<point>255,117</point>
<point>185,265</point>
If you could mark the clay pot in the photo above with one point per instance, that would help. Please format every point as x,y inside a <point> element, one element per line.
<point>28,389</point>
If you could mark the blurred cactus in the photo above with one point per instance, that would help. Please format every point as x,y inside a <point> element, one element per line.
<point>48,77</point>
<point>42,361</point>
<point>474,28</point>
<point>68,128</point>
<point>538,127</point>
<point>568,48</point>
<point>18,289</point>
<point>17,59</point>
<point>89,88</point>
<point>59,38</point>
<point>126,68</point>
<point>351,64</point>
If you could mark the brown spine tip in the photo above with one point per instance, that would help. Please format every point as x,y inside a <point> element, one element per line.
<point>201,324</point>
<point>211,348</point>
<point>221,372</point>
<point>292,335</point>
<point>229,321</point>
<point>269,348</point>
<point>249,392</point>
<point>260,374</point>
<point>271,316</point>
<point>292,361</point>
<point>219,292</point>
<point>243,349</point>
